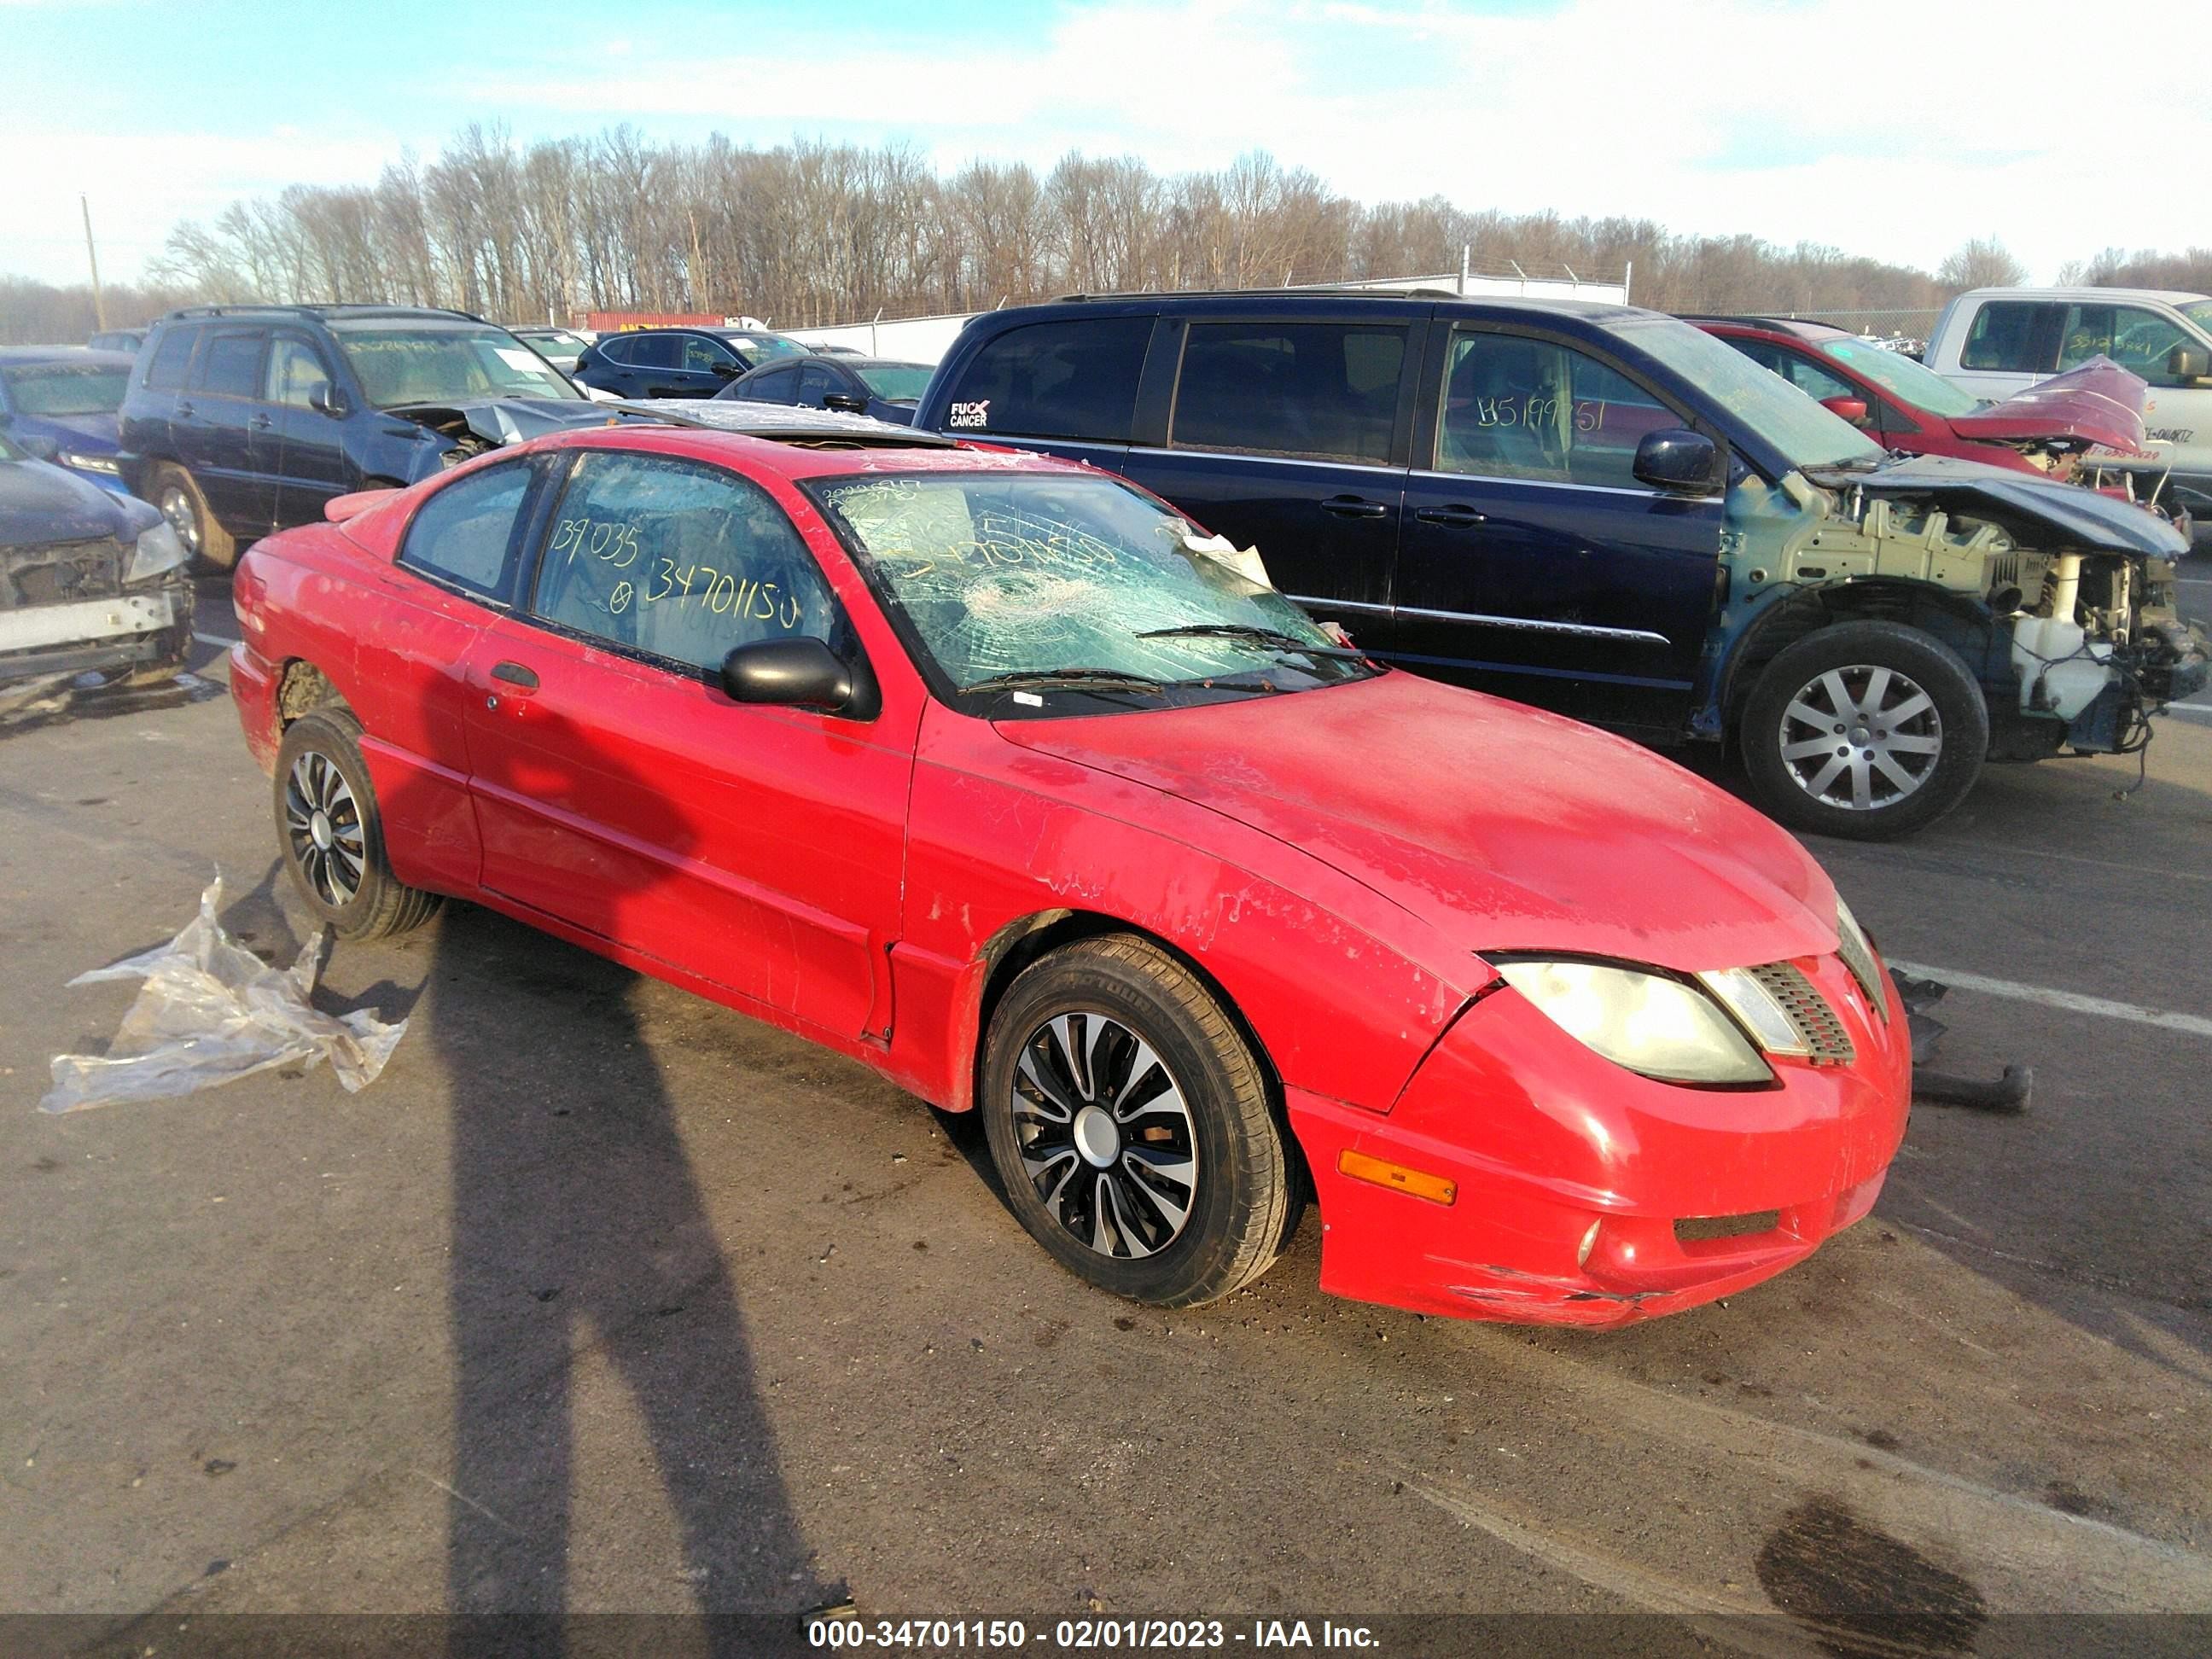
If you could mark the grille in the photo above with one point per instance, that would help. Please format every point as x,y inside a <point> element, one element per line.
<point>1808,1011</point>
<point>66,570</point>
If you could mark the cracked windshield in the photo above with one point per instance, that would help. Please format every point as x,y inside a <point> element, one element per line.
<point>1045,576</point>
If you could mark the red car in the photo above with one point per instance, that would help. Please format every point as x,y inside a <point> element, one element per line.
<point>1903,404</point>
<point>987,769</point>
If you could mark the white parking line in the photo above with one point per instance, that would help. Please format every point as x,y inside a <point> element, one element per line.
<point>2195,711</point>
<point>2195,1024</point>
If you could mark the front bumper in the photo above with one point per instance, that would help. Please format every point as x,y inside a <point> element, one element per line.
<point>1543,1141</point>
<point>142,629</point>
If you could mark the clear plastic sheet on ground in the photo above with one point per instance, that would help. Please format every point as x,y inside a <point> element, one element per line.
<point>211,1011</point>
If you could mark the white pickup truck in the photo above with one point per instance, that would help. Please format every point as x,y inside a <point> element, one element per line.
<point>1998,342</point>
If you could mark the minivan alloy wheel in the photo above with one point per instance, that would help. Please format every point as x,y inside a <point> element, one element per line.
<point>1105,1135</point>
<point>1860,736</point>
<point>322,822</point>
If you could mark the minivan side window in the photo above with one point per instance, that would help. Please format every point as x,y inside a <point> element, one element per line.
<point>1071,380</point>
<point>679,561</point>
<point>1515,407</point>
<point>171,358</point>
<point>464,533</point>
<point>2137,340</point>
<point>2015,337</point>
<point>1327,391</point>
<point>231,365</point>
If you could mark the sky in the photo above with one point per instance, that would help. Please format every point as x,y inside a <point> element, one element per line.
<point>1896,129</point>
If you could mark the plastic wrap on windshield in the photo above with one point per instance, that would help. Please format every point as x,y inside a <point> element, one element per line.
<point>211,1011</point>
<point>1001,588</point>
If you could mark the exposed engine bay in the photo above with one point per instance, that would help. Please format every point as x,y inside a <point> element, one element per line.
<point>2089,629</point>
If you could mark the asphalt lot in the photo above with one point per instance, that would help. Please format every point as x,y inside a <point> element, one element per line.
<point>607,1298</point>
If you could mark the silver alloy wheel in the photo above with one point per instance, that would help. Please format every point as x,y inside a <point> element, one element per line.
<point>322,822</point>
<point>1105,1135</point>
<point>183,519</point>
<point>1861,737</point>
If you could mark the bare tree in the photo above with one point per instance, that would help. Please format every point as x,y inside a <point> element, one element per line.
<point>1981,262</point>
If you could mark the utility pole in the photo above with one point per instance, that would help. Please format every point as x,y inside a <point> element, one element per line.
<point>98,305</point>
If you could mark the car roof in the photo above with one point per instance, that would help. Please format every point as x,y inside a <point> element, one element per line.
<point>880,362</point>
<point>327,314</point>
<point>2173,296</point>
<point>1795,327</point>
<point>91,356</point>
<point>766,438</point>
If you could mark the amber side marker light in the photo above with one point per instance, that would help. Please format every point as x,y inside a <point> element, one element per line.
<point>1396,1177</point>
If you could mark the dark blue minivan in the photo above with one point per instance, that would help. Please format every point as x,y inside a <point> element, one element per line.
<point>1607,512</point>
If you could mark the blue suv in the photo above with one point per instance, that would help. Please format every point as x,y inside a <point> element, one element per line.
<point>1609,513</point>
<point>240,420</point>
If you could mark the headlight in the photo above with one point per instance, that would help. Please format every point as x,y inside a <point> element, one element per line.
<point>158,549</point>
<point>84,463</point>
<point>1857,952</point>
<point>1660,1027</point>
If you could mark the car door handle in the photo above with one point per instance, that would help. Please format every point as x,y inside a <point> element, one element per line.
<point>183,410</point>
<point>1354,506</point>
<point>259,423</point>
<point>1459,518</point>
<point>514,673</point>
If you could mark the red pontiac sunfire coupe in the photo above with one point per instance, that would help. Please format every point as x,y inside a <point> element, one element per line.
<point>982,768</point>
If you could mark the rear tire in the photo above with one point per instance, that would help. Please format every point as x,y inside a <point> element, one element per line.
<point>1130,1122</point>
<point>172,490</point>
<point>1868,730</point>
<point>332,836</point>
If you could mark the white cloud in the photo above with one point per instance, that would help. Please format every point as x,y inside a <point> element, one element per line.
<point>143,183</point>
<point>1892,128</point>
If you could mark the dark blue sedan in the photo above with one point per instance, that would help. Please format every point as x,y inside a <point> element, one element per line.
<point>875,387</point>
<point>59,403</point>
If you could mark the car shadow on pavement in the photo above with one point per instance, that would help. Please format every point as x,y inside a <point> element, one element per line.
<point>582,1252</point>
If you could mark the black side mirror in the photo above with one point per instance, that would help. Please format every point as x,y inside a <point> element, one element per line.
<point>325,400</point>
<point>2186,363</point>
<point>728,370</point>
<point>1680,459</point>
<point>800,673</point>
<point>845,403</point>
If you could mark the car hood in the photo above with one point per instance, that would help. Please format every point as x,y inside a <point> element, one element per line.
<point>41,503</point>
<point>1503,827</point>
<point>2042,511</point>
<point>93,433</point>
<point>2099,402</point>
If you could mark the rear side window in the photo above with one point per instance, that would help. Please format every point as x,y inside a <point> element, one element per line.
<point>2013,337</point>
<point>616,350</point>
<point>678,560</point>
<point>655,350</point>
<point>230,366</point>
<point>1324,390</point>
<point>166,373</point>
<point>1071,380</point>
<point>464,533</point>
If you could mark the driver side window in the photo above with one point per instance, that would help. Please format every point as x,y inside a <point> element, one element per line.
<point>1515,407</point>
<point>678,560</point>
<point>702,356</point>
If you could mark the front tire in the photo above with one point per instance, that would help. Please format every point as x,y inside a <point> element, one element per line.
<point>1868,730</point>
<point>332,834</point>
<point>173,491</point>
<point>1130,1122</point>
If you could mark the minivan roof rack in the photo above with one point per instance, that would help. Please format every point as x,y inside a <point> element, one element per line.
<point>1324,292</point>
<point>261,308</point>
